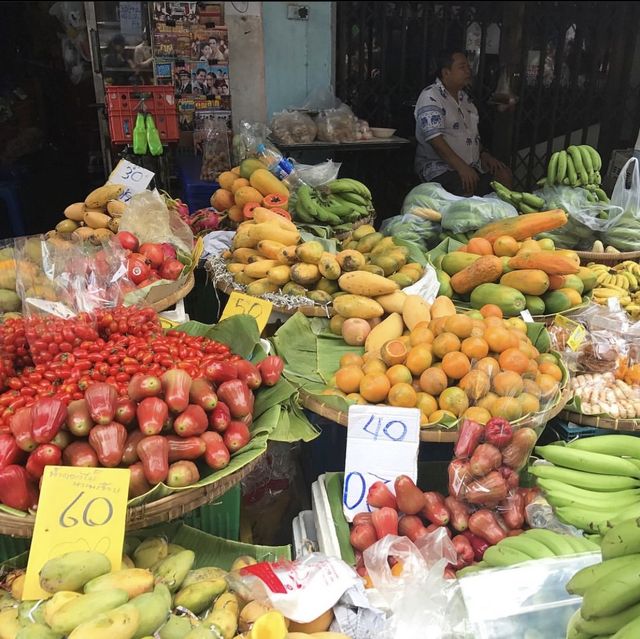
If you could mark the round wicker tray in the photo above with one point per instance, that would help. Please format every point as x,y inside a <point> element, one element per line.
<point>155,512</point>
<point>611,259</point>
<point>600,421</point>
<point>167,302</point>
<point>437,434</point>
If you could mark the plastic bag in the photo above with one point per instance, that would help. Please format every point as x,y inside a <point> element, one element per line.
<point>213,140</point>
<point>336,125</point>
<point>411,228</point>
<point>321,98</point>
<point>293,127</point>
<point>317,174</point>
<point>363,131</point>
<point>625,233</point>
<point>149,219</point>
<point>246,142</point>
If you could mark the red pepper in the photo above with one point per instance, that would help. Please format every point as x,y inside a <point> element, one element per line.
<point>380,496</point>
<point>192,421</point>
<point>142,385</point>
<point>385,521</point>
<point>249,374</point>
<point>219,372</point>
<point>16,489</point>
<point>271,369</point>
<point>130,453</point>
<point>10,452</point>
<point>43,455</point>
<point>202,394</point>
<point>152,413</point>
<point>185,448</point>
<point>470,435</point>
<point>101,399</point>
<point>47,416</point>
<point>125,411</point>
<point>498,432</point>
<point>138,484</point>
<point>237,396</point>
<point>236,436</point>
<point>108,441</point>
<point>175,386</point>
<point>79,420</point>
<point>154,455</point>
<point>182,473</point>
<point>79,454</point>
<point>20,425</point>
<point>216,455</point>
<point>220,418</point>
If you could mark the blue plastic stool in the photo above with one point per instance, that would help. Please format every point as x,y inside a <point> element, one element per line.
<point>9,194</point>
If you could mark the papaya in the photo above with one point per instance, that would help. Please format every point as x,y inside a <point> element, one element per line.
<point>267,183</point>
<point>535,304</point>
<point>527,281</point>
<point>510,300</point>
<point>367,284</point>
<point>455,262</point>
<point>574,295</point>
<point>574,282</point>
<point>488,268</point>
<point>357,306</point>
<point>556,302</point>
<point>588,278</point>
<point>551,262</point>
<point>248,166</point>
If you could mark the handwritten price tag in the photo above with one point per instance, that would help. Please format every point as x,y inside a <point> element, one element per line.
<point>241,304</point>
<point>134,178</point>
<point>79,509</point>
<point>382,443</point>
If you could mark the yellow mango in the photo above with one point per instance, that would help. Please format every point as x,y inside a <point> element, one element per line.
<point>134,581</point>
<point>270,249</point>
<point>267,183</point>
<point>390,328</point>
<point>261,286</point>
<point>305,274</point>
<point>287,255</point>
<point>225,621</point>
<point>329,267</point>
<point>279,275</point>
<point>350,260</point>
<point>260,269</point>
<point>320,624</point>
<point>9,624</point>
<point>84,608</point>
<point>367,284</point>
<point>268,231</point>
<point>415,310</point>
<point>121,623</point>
<point>56,602</point>
<point>357,306</point>
<point>442,307</point>
<point>393,302</point>
<point>242,255</point>
<point>310,252</point>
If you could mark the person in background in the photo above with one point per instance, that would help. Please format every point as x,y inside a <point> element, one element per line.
<point>115,58</point>
<point>449,150</point>
<point>200,82</point>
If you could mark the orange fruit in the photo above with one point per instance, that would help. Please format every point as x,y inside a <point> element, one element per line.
<point>351,359</point>
<point>445,343</point>
<point>222,200</point>
<point>487,401</point>
<point>238,183</point>
<point>426,403</point>
<point>421,334</point>
<point>474,347</point>
<point>433,381</point>
<point>393,352</point>
<point>507,384</point>
<point>478,328</point>
<point>547,357</point>
<point>436,416</point>
<point>518,324</point>
<point>513,360</point>
<point>374,365</point>
<point>402,395</point>
<point>419,359</point>
<point>530,387</point>
<point>532,370</point>
<point>459,325</point>
<point>456,365</point>
<point>399,373</point>
<point>437,325</point>
<point>453,399</point>
<point>477,414</point>
<point>515,338</point>
<point>498,338</point>
<point>226,179</point>
<point>375,387</point>
<point>489,365</point>
<point>475,384</point>
<point>357,398</point>
<point>551,369</point>
<point>505,245</point>
<point>548,385</point>
<point>507,407</point>
<point>415,382</point>
<point>529,403</point>
<point>348,379</point>
<point>479,246</point>
<point>491,310</point>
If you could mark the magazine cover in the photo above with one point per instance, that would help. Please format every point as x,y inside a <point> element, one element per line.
<point>173,13</point>
<point>211,13</point>
<point>164,44</point>
<point>186,113</point>
<point>182,79</point>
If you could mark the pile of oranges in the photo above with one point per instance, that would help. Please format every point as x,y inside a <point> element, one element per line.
<point>475,365</point>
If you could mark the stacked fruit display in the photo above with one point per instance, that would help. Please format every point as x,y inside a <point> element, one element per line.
<point>341,201</point>
<point>610,591</point>
<point>501,266</point>
<point>149,596</point>
<point>267,257</point>
<point>246,187</point>
<point>593,483</point>
<point>450,365</point>
<point>621,281</point>
<point>603,394</point>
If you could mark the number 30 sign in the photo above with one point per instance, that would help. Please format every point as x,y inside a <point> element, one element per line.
<point>382,443</point>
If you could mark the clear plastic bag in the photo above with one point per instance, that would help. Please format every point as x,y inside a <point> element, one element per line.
<point>293,127</point>
<point>411,228</point>
<point>246,142</point>
<point>317,174</point>
<point>336,125</point>
<point>623,235</point>
<point>213,141</point>
<point>321,98</point>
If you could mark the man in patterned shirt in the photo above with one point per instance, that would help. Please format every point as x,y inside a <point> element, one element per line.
<point>449,149</point>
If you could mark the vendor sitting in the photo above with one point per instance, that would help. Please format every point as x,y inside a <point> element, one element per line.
<point>449,149</point>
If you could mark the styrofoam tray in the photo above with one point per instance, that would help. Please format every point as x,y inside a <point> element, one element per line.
<point>305,538</point>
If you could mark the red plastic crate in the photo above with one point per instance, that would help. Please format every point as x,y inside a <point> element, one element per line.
<point>124,102</point>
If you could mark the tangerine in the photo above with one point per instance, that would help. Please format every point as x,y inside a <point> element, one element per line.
<point>393,352</point>
<point>456,365</point>
<point>551,369</point>
<point>477,414</point>
<point>433,381</point>
<point>460,325</point>
<point>547,357</point>
<point>508,408</point>
<point>375,387</point>
<point>437,416</point>
<point>399,373</point>
<point>475,384</point>
<point>532,370</point>
<point>351,359</point>
<point>479,246</point>
<point>491,310</point>
<point>507,384</point>
<point>426,403</point>
<point>402,395</point>
<point>437,325</point>
<point>421,334</point>
<point>348,379</point>
<point>445,343</point>
<point>498,338</point>
<point>529,403</point>
<point>530,387</point>
<point>513,360</point>
<point>419,358</point>
<point>518,324</point>
<point>374,365</point>
<point>489,365</point>
<point>487,401</point>
<point>454,400</point>
<point>474,347</point>
<point>548,385</point>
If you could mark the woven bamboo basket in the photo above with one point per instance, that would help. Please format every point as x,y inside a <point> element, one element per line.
<point>601,421</point>
<point>610,259</point>
<point>167,302</point>
<point>156,512</point>
<point>438,434</point>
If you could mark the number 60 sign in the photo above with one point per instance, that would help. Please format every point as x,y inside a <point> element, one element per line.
<point>382,443</point>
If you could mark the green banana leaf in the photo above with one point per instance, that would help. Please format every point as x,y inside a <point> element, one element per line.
<point>334,484</point>
<point>438,252</point>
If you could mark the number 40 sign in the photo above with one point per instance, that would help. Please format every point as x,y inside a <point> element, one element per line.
<point>382,443</point>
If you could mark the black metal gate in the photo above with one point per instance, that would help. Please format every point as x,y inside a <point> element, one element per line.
<point>567,62</point>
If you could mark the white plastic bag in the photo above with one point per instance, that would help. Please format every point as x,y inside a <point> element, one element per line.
<point>317,174</point>
<point>628,198</point>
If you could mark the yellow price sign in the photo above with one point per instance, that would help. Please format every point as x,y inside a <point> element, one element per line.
<point>241,304</point>
<point>79,509</point>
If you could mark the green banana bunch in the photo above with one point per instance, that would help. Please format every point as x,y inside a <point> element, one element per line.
<point>576,166</point>
<point>524,202</point>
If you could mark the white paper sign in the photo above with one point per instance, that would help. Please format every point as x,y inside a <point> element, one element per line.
<point>382,443</point>
<point>526,316</point>
<point>134,178</point>
<point>130,18</point>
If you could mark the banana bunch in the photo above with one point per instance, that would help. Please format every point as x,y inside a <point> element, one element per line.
<point>342,201</point>
<point>611,589</point>
<point>621,281</point>
<point>594,483</point>
<point>524,202</point>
